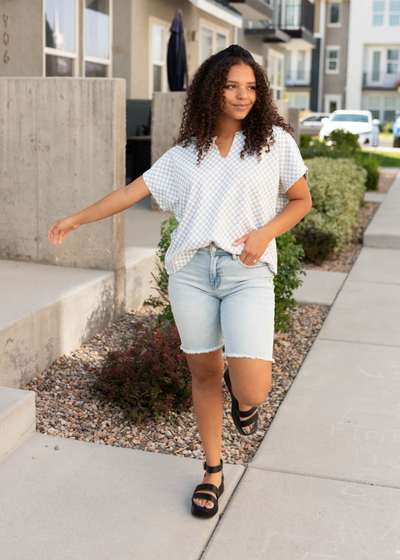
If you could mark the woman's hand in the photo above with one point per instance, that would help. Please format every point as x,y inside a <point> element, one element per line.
<point>61,228</point>
<point>256,243</point>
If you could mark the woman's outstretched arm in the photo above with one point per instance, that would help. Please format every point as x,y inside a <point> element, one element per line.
<point>115,202</point>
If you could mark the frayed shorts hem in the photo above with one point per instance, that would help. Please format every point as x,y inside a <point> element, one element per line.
<point>247,356</point>
<point>201,351</point>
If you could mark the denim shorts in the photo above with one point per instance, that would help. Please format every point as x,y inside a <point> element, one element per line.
<point>219,301</point>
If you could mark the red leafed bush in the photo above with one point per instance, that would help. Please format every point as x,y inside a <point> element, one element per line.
<point>151,378</point>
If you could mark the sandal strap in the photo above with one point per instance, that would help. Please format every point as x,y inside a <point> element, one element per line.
<point>212,469</point>
<point>245,423</point>
<point>207,486</point>
<point>245,414</point>
<point>208,497</point>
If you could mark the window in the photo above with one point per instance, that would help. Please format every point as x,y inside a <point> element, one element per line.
<point>301,65</point>
<point>97,38</point>
<point>332,102</point>
<point>332,60</point>
<point>348,117</point>
<point>212,40</point>
<point>394,12</point>
<point>206,43</point>
<point>389,113</point>
<point>275,67</point>
<point>293,14</point>
<point>383,107</point>
<point>334,9</point>
<point>61,38</point>
<point>374,104</point>
<point>378,7</point>
<point>159,34</point>
<point>376,66</point>
<point>299,101</point>
<point>288,72</point>
<point>393,61</point>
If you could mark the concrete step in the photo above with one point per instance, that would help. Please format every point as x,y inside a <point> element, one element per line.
<point>47,311</point>
<point>384,228</point>
<point>87,501</point>
<point>319,287</point>
<point>17,418</point>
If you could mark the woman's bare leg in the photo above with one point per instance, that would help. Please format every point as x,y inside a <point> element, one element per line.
<point>207,370</point>
<point>251,382</point>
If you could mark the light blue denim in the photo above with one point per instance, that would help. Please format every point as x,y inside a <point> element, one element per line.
<point>217,300</point>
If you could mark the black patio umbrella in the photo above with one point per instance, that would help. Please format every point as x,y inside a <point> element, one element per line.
<point>176,55</point>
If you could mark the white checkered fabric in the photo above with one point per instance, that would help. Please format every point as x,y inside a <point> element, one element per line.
<point>223,199</point>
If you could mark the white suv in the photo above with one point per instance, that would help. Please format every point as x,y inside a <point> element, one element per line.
<point>357,122</point>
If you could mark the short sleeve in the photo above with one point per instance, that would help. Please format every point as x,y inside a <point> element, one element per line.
<point>291,164</point>
<point>160,180</point>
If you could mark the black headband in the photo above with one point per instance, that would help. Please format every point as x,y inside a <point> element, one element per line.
<point>232,50</point>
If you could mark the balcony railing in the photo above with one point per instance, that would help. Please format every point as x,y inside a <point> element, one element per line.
<point>380,80</point>
<point>296,15</point>
<point>298,77</point>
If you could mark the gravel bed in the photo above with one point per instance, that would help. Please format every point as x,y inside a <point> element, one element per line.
<point>66,406</point>
<point>343,261</point>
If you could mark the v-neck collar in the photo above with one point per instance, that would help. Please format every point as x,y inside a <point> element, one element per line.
<point>239,132</point>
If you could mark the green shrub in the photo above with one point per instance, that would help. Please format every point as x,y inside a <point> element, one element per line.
<point>167,227</point>
<point>305,140</point>
<point>337,189</point>
<point>371,165</point>
<point>388,127</point>
<point>344,142</point>
<point>290,255</point>
<point>340,144</point>
<point>285,281</point>
<point>150,379</point>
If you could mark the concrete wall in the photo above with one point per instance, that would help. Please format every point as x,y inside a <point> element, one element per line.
<point>62,148</point>
<point>124,47</point>
<point>166,120</point>
<point>24,30</point>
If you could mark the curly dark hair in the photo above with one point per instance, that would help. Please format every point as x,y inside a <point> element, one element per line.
<point>202,106</point>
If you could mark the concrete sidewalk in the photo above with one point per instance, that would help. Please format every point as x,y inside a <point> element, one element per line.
<point>323,484</point>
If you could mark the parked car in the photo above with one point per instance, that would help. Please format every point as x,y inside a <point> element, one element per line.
<point>396,132</point>
<point>312,123</point>
<point>360,123</point>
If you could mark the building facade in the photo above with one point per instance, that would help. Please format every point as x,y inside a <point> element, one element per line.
<point>373,66</point>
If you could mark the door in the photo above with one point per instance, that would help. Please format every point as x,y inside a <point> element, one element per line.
<point>375,73</point>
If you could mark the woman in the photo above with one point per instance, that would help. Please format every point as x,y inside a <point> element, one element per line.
<point>227,179</point>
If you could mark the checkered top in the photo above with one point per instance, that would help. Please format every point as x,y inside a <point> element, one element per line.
<point>223,199</point>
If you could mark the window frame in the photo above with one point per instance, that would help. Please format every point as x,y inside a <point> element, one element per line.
<point>164,76</point>
<point>274,87</point>
<point>391,13</point>
<point>382,104</point>
<point>335,97</point>
<point>378,13</point>
<point>295,95</point>
<point>95,59</point>
<point>214,29</point>
<point>62,54</point>
<point>339,23</point>
<point>330,48</point>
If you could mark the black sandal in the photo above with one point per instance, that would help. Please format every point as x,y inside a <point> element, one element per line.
<point>237,413</point>
<point>205,511</point>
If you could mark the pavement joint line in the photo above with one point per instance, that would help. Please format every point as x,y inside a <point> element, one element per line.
<point>291,473</point>
<point>358,342</point>
<point>220,515</point>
